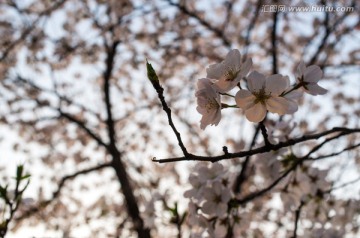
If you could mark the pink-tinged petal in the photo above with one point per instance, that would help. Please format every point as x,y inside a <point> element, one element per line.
<point>224,86</point>
<point>205,121</point>
<point>245,67</point>
<point>278,105</point>
<point>313,74</point>
<point>203,83</point>
<point>244,99</point>
<point>215,71</point>
<point>208,101</point>
<point>208,194</point>
<point>293,107</point>
<point>217,187</point>
<point>256,81</point>
<point>276,84</point>
<point>315,89</point>
<point>217,118</point>
<point>256,113</point>
<point>221,209</point>
<point>294,95</point>
<point>208,208</point>
<point>225,195</point>
<point>232,60</point>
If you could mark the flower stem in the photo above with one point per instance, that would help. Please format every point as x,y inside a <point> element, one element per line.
<point>224,105</point>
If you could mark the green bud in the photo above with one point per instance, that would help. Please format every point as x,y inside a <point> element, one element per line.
<point>152,75</point>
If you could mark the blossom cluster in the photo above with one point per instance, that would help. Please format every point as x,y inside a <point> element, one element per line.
<point>210,213</point>
<point>262,93</point>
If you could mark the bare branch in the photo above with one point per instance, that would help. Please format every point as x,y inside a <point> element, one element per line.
<point>117,164</point>
<point>343,131</point>
<point>56,193</point>
<point>29,29</point>
<point>82,125</point>
<point>219,33</point>
<point>241,177</point>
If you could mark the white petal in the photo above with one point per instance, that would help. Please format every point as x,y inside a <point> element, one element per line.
<point>278,105</point>
<point>256,113</point>
<point>313,74</point>
<point>232,60</point>
<point>315,89</point>
<point>256,81</point>
<point>244,99</point>
<point>276,84</point>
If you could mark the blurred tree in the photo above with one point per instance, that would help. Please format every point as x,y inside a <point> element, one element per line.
<point>74,91</point>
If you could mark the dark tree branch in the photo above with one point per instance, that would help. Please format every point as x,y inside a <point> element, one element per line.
<point>251,26</point>
<point>229,8</point>
<point>261,192</point>
<point>81,125</point>
<point>29,29</point>
<point>328,30</point>
<point>342,185</point>
<point>264,134</point>
<point>341,130</point>
<point>241,177</point>
<point>62,98</point>
<point>299,161</point>
<point>56,193</point>
<point>219,33</point>
<point>337,153</point>
<point>117,164</point>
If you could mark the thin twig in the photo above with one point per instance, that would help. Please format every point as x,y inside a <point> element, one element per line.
<point>251,26</point>
<point>219,33</point>
<point>297,217</point>
<point>56,193</point>
<point>264,133</point>
<point>160,91</point>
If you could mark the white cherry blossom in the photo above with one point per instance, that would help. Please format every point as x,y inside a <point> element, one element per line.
<point>229,72</point>
<point>209,105</point>
<point>264,94</point>
<point>308,78</point>
<point>216,198</point>
<point>197,187</point>
<point>211,173</point>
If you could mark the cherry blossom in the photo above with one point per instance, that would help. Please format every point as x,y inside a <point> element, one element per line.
<point>308,78</point>
<point>212,173</point>
<point>197,187</point>
<point>216,198</point>
<point>265,94</point>
<point>229,72</point>
<point>209,105</point>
